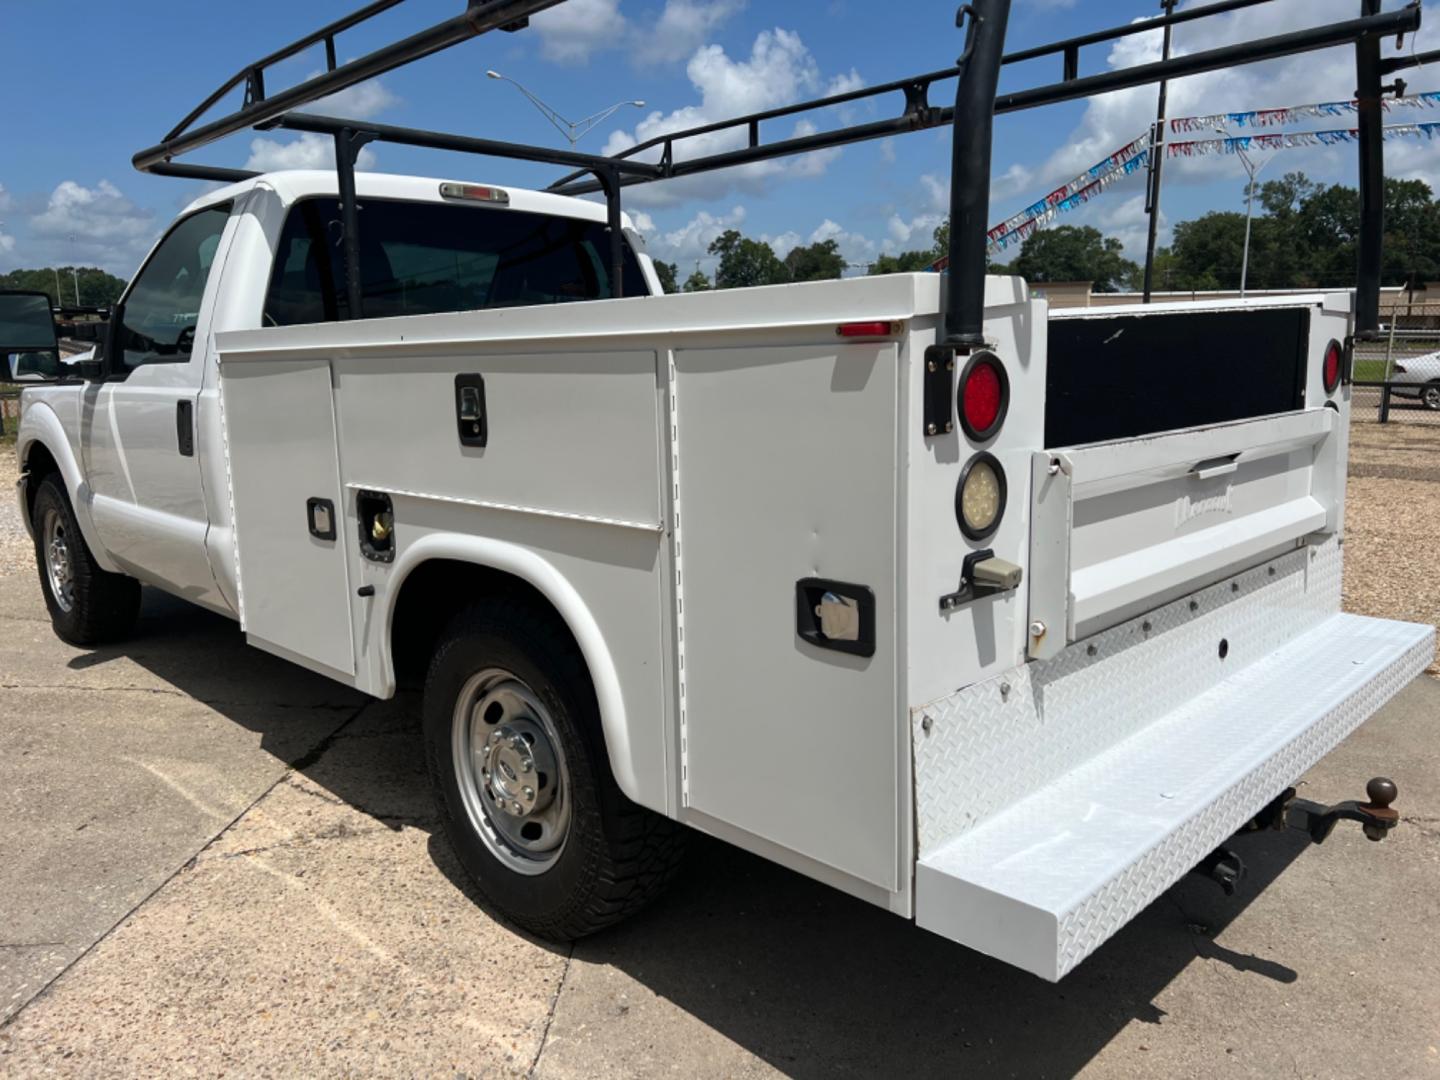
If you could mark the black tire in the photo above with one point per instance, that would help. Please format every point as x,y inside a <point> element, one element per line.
<point>100,606</point>
<point>1430,395</point>
<point>616,856</point>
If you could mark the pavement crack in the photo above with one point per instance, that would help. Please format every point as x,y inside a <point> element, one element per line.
<point>182,868</point>
<point>550,1013</point>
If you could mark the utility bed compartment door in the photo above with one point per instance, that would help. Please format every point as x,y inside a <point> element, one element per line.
<point>1119,528</point>
<point>785,463</point>
<point>280,439</point>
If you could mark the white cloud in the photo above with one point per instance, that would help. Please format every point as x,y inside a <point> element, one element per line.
<point>312,151</point>
<point>7,201</point>
<point>683,26</point>
<point>359,102</point>
<point>856,247</point>
<point>309,151</point>
<point>778,71</point>
<point>573,33</point>
<point>96,225</point>
<point>689,243</point>
<point>570,32</point>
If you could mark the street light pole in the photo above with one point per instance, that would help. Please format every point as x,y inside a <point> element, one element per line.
<point>1252,171</point>
<point>574,130</point>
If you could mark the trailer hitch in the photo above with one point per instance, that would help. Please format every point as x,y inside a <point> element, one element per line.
<point>1376,817</point>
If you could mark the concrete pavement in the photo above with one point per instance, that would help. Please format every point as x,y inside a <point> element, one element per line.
<point>212,861</point>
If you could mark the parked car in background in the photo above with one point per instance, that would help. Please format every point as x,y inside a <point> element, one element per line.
<point>1418,377</point>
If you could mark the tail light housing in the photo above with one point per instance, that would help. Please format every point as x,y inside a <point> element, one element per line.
<point>1332,367</point>
<point>983,397</point>
<point>980,497</point>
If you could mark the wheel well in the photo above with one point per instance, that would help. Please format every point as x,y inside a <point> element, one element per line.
<point>38,464</point>
<point>438,590</point>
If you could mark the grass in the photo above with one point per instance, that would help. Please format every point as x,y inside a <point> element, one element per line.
<point>1367,370</point>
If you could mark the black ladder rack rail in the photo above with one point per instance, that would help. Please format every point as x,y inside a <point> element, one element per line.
<point>976,97</point>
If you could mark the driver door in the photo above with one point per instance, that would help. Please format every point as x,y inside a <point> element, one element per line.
<point>138,432</point>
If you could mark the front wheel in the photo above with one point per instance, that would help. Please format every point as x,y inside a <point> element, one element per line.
<point>1430,395</point>
<point>524,789</point>
<point>87,605</point>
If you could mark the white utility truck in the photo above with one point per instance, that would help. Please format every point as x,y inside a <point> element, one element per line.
<point>1000,618</point>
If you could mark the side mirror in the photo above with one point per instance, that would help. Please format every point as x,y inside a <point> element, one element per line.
<point>27,337</point>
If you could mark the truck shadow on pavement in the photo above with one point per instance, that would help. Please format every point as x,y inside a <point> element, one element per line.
<point>812,981</point>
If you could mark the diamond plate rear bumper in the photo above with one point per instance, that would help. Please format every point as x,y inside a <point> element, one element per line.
<point>1051,812</point>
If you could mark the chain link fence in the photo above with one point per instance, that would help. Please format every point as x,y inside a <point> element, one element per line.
<point>1397,378</point>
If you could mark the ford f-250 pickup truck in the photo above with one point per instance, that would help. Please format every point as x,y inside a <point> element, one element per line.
<point>998,617</point>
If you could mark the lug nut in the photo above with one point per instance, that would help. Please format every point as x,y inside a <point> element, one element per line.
<point>529,793</point>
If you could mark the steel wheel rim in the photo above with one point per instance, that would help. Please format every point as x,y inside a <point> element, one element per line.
<point>511,771</point>
<point>59,570</point>
<point>1431,397</point>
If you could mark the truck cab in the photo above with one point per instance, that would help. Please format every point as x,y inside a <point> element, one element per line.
<point>144,446</point>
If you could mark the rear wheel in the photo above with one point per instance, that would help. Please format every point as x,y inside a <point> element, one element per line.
<point>523,785</point>
<point>87,605</point>
<point>1430,395</point>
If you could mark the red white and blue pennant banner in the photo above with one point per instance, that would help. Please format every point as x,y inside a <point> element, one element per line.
<point>1136,155</point>
<point>1286,140</point>
<point>1295,113</point>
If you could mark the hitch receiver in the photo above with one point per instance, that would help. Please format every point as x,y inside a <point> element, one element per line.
<point>1376,817</point>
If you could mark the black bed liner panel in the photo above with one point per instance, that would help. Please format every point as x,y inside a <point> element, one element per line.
<point>1121,376</point>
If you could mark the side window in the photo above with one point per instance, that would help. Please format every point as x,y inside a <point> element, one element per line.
<point>163,305</point>
<point>424,258</point>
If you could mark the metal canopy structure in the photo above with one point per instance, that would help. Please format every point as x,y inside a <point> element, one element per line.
<point>976,102</point>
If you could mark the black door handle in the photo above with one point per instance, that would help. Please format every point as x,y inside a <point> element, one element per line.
<point>185,427</point>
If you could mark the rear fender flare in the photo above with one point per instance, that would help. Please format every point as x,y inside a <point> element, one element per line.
<point>562,595</point>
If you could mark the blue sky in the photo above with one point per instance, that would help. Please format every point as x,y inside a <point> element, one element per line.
<point>68,192</point>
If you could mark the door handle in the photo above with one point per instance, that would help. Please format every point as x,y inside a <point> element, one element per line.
<point>185,427</point>
<point>470,414</point>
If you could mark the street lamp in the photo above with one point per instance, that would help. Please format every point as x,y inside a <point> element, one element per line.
<point>1252,170</point>
<point>574,130</point>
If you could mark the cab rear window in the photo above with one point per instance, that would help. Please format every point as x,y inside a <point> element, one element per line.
<point>424,258</point>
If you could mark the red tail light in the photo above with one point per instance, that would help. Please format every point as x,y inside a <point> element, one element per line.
<point>866,329</point>
<point>1332,366</point>
<point>984,396</point>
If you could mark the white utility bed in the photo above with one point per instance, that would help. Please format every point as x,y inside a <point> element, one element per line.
<point>1037,863</point>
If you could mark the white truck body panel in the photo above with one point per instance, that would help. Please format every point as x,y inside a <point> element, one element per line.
<point>665,470</point>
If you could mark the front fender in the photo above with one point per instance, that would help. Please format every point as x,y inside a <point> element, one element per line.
<point>557,589</point>
<point>39,424</point>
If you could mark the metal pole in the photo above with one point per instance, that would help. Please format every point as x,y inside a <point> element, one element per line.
<point>1372,180</point>
<point>1249,215</point>
<point>1157,160</point>
<point>970,170</point>
<point>345,149</point>
<point>610,182</point>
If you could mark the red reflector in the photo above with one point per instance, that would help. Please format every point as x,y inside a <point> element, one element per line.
<point>865,329</point>
<point>981,397</point>
<point>1331,370</point>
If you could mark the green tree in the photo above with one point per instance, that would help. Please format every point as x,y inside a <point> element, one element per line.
<point>815,262</point>
<point>666,273</point>
<point>1074,253</point>
<point>910,262</point>
<point>698,282</point>
<point>907,262</point>
<point>745,262</point>
<point>97,288</point>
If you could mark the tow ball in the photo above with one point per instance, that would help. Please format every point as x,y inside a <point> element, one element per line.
<point>1376,818</point>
